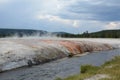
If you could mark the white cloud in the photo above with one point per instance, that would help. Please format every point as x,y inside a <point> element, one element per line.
<point>66,15</point>
<point>5,1</point>
<point>52,6</point>
<point>113,25</point>
<point>74,23</point>
<point>1,1</point>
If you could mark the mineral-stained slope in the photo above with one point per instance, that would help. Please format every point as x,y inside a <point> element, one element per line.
<point>16,53</point>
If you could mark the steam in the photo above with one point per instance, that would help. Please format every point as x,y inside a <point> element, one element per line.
<point>34,35</point>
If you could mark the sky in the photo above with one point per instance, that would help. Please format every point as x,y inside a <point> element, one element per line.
<point>73,16</point>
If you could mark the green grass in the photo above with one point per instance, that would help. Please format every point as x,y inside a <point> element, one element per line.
<point>110,68</point>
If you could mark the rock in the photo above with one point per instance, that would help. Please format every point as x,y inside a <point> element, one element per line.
<point>30,63</point>
<point>70,55</point>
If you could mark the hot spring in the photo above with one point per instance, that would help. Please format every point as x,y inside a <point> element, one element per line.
<point>19,52</point>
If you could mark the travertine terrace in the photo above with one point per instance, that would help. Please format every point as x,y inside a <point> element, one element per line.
<point>16,53</point>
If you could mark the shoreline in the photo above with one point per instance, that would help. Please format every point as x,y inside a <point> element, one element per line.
<point>17,53</point>
<point>108,71</point>
<point>59,68</point>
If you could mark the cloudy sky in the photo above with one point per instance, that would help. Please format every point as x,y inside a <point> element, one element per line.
<point>74,16</point>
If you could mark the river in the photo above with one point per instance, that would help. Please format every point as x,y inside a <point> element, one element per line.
<point>59,68</point>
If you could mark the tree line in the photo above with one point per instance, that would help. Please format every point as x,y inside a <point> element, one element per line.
<point>100,34</point>
<point>86,34</point>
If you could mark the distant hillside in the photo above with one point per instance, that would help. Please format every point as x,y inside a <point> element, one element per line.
<point>99,34</point>
<point>63,34</point>
<point>103,34</point>
<point>29,32</point>
<point>20,32</point>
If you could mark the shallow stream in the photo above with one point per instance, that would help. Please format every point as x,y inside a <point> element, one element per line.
<point>59,68</point>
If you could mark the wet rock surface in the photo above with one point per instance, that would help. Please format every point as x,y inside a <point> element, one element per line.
<point>16,53</point>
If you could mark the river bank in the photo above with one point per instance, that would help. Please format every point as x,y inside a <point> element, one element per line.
<point>17,53</point>
<point>110,70</point>
<point>60,68</point>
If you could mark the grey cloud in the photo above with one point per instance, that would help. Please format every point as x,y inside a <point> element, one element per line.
<point>104,10</point>
<point>21,14</point>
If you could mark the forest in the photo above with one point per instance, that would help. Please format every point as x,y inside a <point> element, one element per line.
<point>86,34</point>
<point>99,34</point>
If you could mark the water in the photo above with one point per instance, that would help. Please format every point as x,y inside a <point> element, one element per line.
<point>60,68</point>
